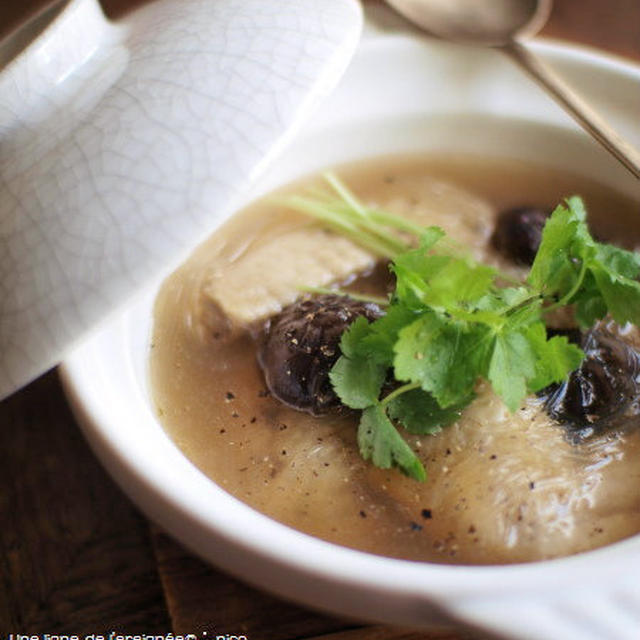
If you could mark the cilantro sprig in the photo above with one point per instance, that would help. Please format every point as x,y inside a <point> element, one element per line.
<point>452,321</point>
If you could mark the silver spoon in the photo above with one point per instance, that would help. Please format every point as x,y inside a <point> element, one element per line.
<point>502,24</point>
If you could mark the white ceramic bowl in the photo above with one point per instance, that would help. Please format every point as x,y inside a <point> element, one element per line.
<point>400,94</point>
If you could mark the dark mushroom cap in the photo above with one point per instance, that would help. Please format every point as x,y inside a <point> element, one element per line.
<point>602,394</point>
<point>302,343</point>
<point>518,233</point>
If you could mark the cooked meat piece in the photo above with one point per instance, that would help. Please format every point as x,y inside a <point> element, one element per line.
<point>260,282</point>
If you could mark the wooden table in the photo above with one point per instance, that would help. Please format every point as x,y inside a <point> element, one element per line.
<point>77,557</point>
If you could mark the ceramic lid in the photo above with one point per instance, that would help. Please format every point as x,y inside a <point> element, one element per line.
<point>124,144</point>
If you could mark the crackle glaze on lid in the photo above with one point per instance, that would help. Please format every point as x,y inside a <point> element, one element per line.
<point>124,144</point>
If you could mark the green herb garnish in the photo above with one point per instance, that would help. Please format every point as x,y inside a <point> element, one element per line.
<point>452,321</point>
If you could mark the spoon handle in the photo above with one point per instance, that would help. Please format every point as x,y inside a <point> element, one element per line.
<point>591,121</point>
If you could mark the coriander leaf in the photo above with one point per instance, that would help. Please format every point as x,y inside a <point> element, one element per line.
<point>383,334</point>
<point>564,238</point>
<point>584,244</point>
<point>512,363</point>
<point>621,295</point>
<point>458,283</point>
<point>624,263</point>
<point>514,296</point>
<point>556,357</point>
<point>577,208</point>
<point>598,278</point>
<point>609,286</point>
<point>380,442</point>
<point>589,303</point>
<point>440,281</point>
<point>445,357</point>
<point>420,413</point>
<point>354,334</point>
<point>430,236</point>
<point>356,379</point>
<point>523,315</point>
<point>412,270</point>
<point>614,271</point>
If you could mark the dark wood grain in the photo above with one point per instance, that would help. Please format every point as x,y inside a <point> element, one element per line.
<point>77,557</point>
<point>612,25</point>
<point>200,598</point>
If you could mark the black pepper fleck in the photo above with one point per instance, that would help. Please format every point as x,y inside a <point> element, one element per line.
<point>532,485</point>
<point>426,514</point>
<point>415,526</point>
<point>229,395</point>
<point>363,514</point>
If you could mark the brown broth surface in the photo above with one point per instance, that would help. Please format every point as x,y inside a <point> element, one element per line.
<point>501,488</point>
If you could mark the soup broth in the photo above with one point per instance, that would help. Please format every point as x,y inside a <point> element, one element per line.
<point>501,487</point>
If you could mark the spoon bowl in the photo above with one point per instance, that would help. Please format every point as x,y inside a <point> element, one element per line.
<point>484,22</point>
<point>502,24</point>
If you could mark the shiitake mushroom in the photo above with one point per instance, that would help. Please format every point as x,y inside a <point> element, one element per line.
<point>300,345</point>
<point>603,393</point>
<point>518,233</point>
